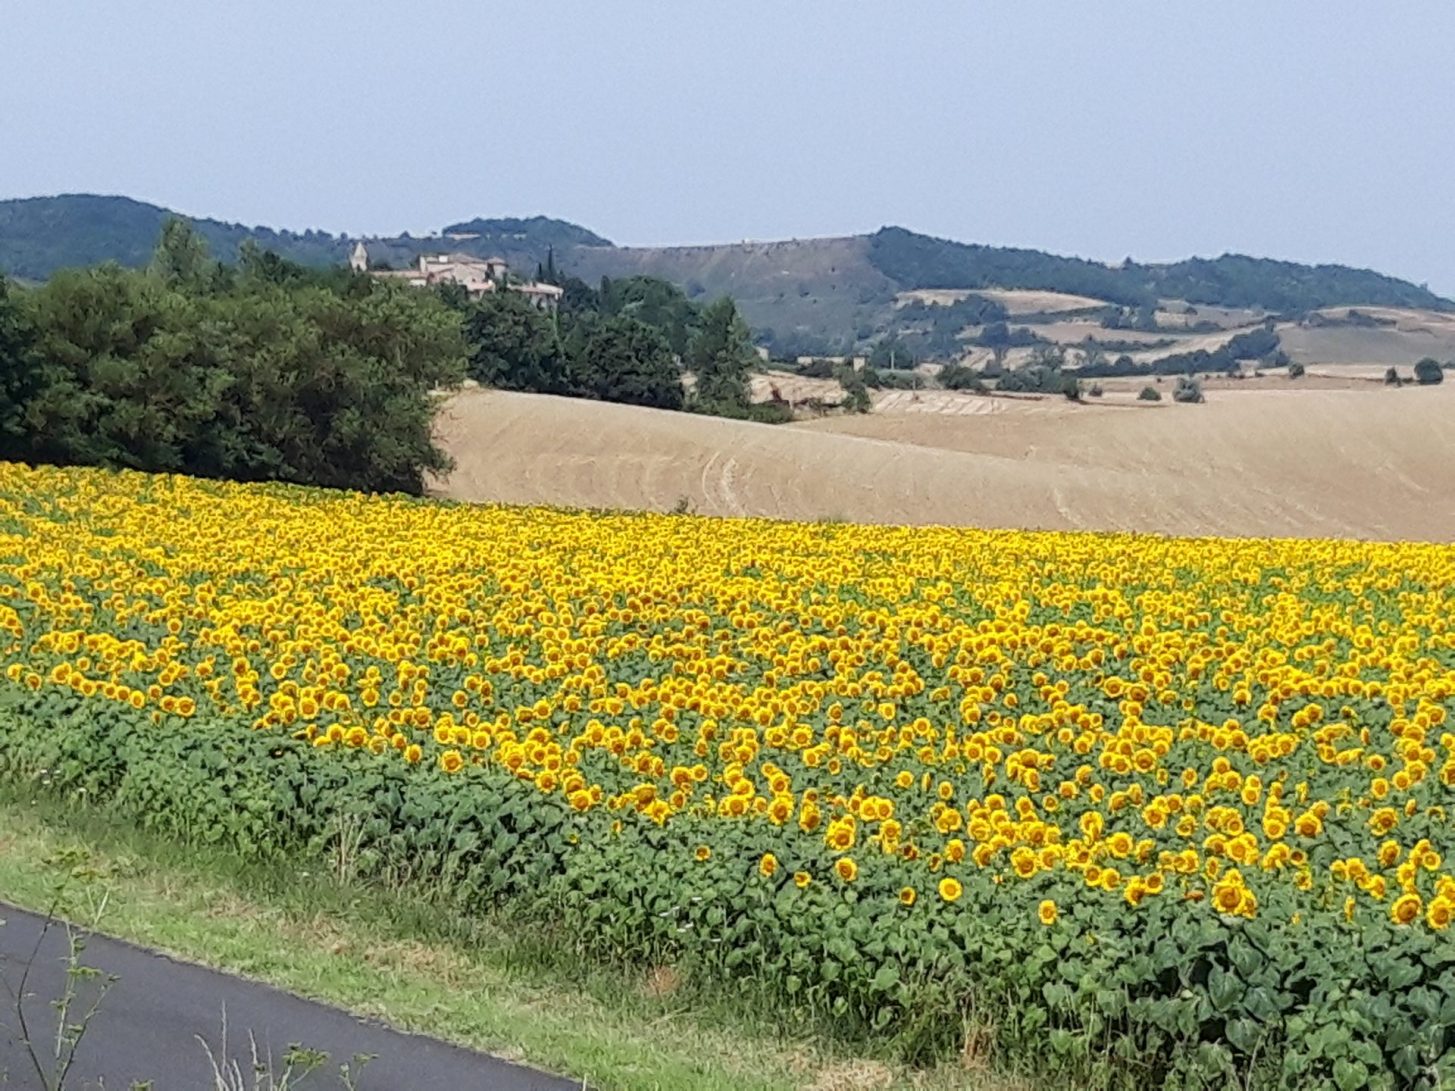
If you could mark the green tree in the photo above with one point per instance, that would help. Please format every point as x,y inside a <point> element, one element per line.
<point>1049,357</point>
<point>891,353</point>
<point>721,355</point>
<point>548,273</point>
<point>333,389</point>
<point>1041,374</point>
<point>856,392</point>
<point>658,303</point>
<point>20,375</point>
<point>960,377</point>
<point>1146,318</point>
<point>994,335</point>
<point>129,370</point>
<point>324,380</point>
<point>181,257</point>
<point>1093,356</point>
<point>454,295</point>
<point>258,266</point>
<point>623,360</point>
<point>579,297</point>
<point>513,346</point>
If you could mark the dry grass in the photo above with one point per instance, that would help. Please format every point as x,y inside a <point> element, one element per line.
<point>1262,457</point>
<point>852,1076</point>
<point>977,1048</point>
<point>662,982</point>
<point>1026,301</point>
<point>934,297</point>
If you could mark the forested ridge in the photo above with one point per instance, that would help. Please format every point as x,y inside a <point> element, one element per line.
<point>802,297</point>
<point>1232,280</point>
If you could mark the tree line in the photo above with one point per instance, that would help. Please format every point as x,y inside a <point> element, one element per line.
<point>1232,280</point>
<point>268,370</point>
<point>261,371</point>
<point>1261,344</point>
<point>631,340</point>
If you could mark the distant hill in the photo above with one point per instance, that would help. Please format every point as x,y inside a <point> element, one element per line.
<point>1233,280</point>
<point>537,231</point>
<point>39,235</point>
<point>830,295</point>
<point>802,296</point>
<point>848,288</point>
<point>811,295</point>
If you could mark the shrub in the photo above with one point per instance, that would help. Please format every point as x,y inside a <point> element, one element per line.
<point>1428,372</point>
<point>999,335</point>
<point>1259,343</point>
<point>856,394</point>
<point>960,377</point>
<point>770,413</point>
<point>1295,370</point>
<point>1188,390</point>
<point>1041,374</point>
<point>1150,394</point>
<point>891,354</point>
<point>901,380</point>
<point>1391,377</point>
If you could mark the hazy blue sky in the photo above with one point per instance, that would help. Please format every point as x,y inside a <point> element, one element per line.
<point>1308,130</point>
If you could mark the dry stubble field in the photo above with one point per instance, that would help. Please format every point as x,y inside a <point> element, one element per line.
<point>1330,459</point>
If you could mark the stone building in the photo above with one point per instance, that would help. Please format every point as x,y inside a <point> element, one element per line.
<point>476,275</point>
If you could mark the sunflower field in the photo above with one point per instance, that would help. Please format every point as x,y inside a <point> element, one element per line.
<point>1138,810</point>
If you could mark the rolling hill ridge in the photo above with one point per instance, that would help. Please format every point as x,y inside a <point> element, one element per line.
<point>808,295</point>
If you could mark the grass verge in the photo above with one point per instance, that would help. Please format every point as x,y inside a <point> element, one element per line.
<point>416,966</point>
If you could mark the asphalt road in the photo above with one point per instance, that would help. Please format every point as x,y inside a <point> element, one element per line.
<point>149,1025</point>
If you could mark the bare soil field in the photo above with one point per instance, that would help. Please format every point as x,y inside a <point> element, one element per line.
<point>1073,331</point>
<point>1373,348</point>
<point>1014,300</point>
<point>1329,343</point>
<point>1207,342</point>
<point>1404,318</point>
<point>935,297</point>
<point>1173,313</point>
<point>1260,458</point>
<point>1026,301</point>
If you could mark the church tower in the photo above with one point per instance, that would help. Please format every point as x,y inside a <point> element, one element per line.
<point>359,258</point>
